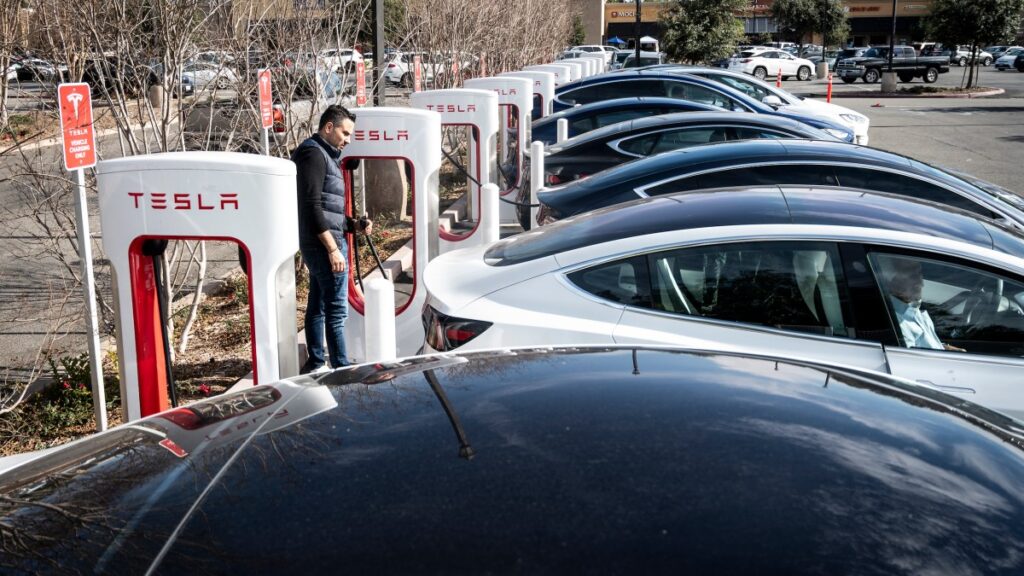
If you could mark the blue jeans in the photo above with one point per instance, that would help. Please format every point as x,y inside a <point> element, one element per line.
<point>327,306</point>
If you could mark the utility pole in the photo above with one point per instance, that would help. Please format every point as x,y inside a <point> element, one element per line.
<point>378,52</point>
<point>892,37</point>
<point>636,32</point>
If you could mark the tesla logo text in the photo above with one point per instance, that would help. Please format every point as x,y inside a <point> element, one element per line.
<point>184,201</point>
<point>452,107</point>
<point>506,91</point>
<point>381,135</point>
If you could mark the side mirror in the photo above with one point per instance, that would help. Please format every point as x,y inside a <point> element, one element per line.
<point>772,100</point>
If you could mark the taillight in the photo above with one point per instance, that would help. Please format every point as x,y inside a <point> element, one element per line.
<point>745,60</point>
<point>392,65</point>
<point>446,333</point>
<point>279,127</point>
<point>552,179</point>
<point>184,418</point>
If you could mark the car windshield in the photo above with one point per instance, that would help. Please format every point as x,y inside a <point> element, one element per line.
<point>1013,52</point>
<point>877,53</point>
<point>849,53</point>
<point>994,190</point>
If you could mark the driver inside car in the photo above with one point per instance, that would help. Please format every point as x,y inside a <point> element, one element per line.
<point>905,290</point>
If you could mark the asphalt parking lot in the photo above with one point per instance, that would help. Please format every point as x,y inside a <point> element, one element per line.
<point>981,136</point>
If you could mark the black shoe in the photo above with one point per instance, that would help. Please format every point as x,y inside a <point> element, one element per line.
<point>309,367</point>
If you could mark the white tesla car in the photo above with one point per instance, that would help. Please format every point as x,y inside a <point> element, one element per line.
<point>777,97</point>
<point>852,277</point>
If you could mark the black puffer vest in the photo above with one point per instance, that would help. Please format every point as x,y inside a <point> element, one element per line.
<point>333,197</point>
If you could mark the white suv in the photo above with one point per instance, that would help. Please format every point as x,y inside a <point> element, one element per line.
<point>343,60</point>
<point>606,51</point>
<point>763,63</point>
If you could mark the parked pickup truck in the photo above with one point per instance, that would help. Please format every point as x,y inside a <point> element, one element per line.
<point>229,119</point>
<point>905,62</point>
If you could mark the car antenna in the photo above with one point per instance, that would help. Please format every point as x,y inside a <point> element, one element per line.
<point>465,450</point>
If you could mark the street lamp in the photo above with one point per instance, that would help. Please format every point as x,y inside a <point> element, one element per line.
<point>892,37</point>
<point>636,32</point>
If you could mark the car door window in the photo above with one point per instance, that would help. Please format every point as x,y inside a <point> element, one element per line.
<point>702,95</point>
<point>666,140</point>
<point>868,179</point>
<point>623,281</point>
<point>614,117</point>
<point>792,174</point>
<point>787,285</point>
<point>753,90</point>
<point>607,90</point>
<point>957,307</point>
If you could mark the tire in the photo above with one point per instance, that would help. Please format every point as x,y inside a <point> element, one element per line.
<point>906,77</point>
<point>871,76</point>
<point>222,83</point>
<point>848,80</point>
<point>760,73</point>
<point>406,80</point>
<point>803,74</point>
<point>962,61</point>
<point>931,75</point>
<point>986,61</point>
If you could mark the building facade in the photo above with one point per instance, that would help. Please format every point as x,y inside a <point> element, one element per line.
<point>870,20</point>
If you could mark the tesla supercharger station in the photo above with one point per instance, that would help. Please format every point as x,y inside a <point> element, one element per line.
<point>543,90</point>
<point>413,136</point>
<point>577,70</point>
<point>242,198</point>
<point>515,97</point>
<point>599,63</point>
<point>477,110</point>
<point>561,72</point>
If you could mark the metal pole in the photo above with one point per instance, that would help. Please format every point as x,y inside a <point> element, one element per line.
<point>636,33</point>
<point>892,37</point>
<point>378,51</point>
<point>99,399</point>
<point>266,141</point>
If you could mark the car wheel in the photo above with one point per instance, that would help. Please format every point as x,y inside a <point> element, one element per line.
<point>406,80</point>
<point>986,62</point>
<point>803,74</point>
<point>222,83</point>
<point>760,73</point>
<point>871,76</point>
<point>848,80</point>
<point>962,61</point>
<point>931,75</point>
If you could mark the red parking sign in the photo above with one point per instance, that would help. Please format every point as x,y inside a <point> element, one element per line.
<point>266,99</point>
<point>76,125</point>
<point>360,84</point>
<point>417,73</point>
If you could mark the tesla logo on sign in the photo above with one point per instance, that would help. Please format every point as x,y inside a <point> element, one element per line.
<point>183,201</point>
<point>360,84</point>
<point>452,107</point>
<point>380,135</point>
<point>506,91</point>
<point>76,125</point>
<point>266,101</point>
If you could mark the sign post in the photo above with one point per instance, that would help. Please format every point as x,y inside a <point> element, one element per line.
<point>483,64</point>
<point>79,143</point>
<point>417,73</point>
<point>266,107</point>
<point>360,84</point>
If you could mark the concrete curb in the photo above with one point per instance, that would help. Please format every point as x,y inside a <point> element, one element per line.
<point>872,94</point>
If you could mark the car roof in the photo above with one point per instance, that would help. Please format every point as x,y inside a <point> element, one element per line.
<point>540,461</point>
<point>760,205</point>
<point>687,118</point>
<point>657,74</point>
<point>622,104</point>
<point>754,151</point>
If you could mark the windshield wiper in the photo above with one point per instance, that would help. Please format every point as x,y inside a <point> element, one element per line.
<point>465,450</point>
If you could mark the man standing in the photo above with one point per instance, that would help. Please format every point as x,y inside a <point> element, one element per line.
<point>322,229</point>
